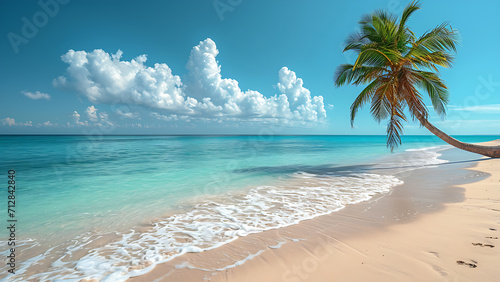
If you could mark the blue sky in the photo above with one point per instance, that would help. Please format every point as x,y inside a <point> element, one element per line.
<point>82,69</point>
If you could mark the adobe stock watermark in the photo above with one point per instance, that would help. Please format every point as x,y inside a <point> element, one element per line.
<point>31,26</point>
<point>310,264</point>
<point>485,89</point>
<point>223,6</point>
<point>395,6</point>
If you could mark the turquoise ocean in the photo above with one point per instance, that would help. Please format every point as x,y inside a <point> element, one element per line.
<point>149,199</point>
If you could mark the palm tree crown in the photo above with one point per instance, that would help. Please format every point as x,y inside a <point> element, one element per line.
<point>397,66</point>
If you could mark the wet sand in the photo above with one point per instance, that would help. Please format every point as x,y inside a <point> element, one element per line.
<point>441,225</point>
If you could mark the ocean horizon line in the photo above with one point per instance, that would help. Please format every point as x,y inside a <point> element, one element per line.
<point>234,135</point>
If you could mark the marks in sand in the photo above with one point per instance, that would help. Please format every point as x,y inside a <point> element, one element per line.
<point>483,245</point>
<point>469,264</point>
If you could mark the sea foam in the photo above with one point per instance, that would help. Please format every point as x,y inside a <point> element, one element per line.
<point>220,220</point>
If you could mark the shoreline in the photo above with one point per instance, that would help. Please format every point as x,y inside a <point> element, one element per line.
<point>118,255</point>
<point>360,242</point>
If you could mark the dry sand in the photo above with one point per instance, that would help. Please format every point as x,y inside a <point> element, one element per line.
<point>392,239</point>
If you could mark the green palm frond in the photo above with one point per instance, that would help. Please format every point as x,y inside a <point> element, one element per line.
<point>385,25</point>
<point>348,74</point>
<point>363,98</point>
<point>376,57</point>
<point>408,11</point>
<point>435,87</point>
<point>355,41</point>
<point>395,127</point>
<point>425,59</point>
<point>440,38</point>
<point>381,105</point>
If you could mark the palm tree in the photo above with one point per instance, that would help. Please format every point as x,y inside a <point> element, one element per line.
<point>397,65</point>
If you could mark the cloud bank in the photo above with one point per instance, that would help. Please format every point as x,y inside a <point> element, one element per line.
<point>12,122</point>
<point>491,108</point>
<point>36,95</point>
<point>205,94</point>
<point>8,121</point>
<point>101,119</point>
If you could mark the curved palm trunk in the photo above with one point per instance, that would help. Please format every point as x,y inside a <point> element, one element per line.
<point>489,151</point>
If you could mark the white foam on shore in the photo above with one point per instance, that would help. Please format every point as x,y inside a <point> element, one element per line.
<point>281,243</point>
<point>412,159</point>
<point>426,157</point>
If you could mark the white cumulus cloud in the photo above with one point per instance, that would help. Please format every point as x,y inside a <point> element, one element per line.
<point>127,114</point>
<point>8,121</point>
<point>36,95</point>
<point>12,122</point>
<point>94,118</point>
<point>91,113</point>
<point>104,78</point>
<point>170,117</point>
<point>76,118</point>
<point>205,94</point>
